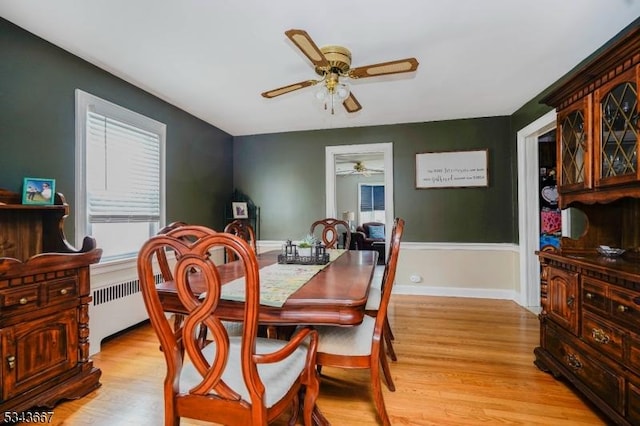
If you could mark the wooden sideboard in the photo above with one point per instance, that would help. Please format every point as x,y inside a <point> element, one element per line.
<point>590,329</point>
<point>590,319</point>
<point>44,307</point>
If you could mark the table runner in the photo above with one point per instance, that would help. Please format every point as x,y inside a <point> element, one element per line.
<point>278,281</point>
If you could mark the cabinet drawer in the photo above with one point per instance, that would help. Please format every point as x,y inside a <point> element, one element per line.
<point>22,298</point>
<point>594,295</point>
<point>634,353</point>
<point>61,290</point>
<point>603,336</point>
<point>633,403</point>
<point>625,306</point>
<point>601,380</point>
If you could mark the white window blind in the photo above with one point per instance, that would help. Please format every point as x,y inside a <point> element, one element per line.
<point>120,197</point>
<point>123,183</point>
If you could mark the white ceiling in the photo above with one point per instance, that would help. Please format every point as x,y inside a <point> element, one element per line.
<point>214,58</point>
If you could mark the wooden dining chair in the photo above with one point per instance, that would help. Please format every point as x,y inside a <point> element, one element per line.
<point>244,230</point>
<point>232,380</point>
<point>371,308</point>
<point>362,346</point>
<point>329,230</point>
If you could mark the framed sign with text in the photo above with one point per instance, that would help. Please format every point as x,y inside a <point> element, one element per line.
<point>452,169</point>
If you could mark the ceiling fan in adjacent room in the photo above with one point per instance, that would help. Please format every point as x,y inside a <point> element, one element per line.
<point>359,169</point>
<point>333,65</point>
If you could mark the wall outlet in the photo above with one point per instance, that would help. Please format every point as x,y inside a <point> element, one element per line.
<point>415,278</point>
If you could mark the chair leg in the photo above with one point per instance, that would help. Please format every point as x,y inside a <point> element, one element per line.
<point>296,407</point>
<point>386,371</point>
<point>378,398</point>
<point>388,337</point>
<point>388,325</point>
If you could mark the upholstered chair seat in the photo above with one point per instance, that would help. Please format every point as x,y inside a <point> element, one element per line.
<point>278,377</point>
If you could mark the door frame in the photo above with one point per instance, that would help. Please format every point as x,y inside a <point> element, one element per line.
<point>529,208</point>
<point>386,149</point>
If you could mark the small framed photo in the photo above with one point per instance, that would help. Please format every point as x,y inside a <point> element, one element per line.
<point>38,191</point>
<point>240,210</point>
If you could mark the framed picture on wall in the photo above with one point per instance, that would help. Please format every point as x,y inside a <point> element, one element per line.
<point>240,210</point>
<point>38,191</point>
<point>453,169</point>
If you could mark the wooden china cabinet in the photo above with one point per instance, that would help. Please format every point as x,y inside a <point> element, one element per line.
<point>44,308</point>
<point>590,319</point>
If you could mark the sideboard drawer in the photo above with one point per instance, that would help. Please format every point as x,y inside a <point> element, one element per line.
<point>634,353</point>
<point>20,299</point>
<point>633,404</point>
<point>603,336</point>
<point>594,295</point>
<point>625,306</point>
<point>62,290</point>
<point>602,381</point>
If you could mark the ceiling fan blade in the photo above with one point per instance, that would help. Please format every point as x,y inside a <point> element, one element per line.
<point>351,104</point>
<point>304,42</point>
<point>384,68</point>
<point>286,89</point>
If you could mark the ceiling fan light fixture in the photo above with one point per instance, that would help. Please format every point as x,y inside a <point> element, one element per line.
<point>342,91</point>
<point>332,91</point>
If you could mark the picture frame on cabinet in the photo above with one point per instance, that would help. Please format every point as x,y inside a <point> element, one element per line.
<point>240,210</point>
<point>38,191</point>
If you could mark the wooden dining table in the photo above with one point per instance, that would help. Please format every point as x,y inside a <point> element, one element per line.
<point>336,295</point>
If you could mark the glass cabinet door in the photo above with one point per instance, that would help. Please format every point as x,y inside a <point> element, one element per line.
<point>574,139</point>
<point>617,131</point>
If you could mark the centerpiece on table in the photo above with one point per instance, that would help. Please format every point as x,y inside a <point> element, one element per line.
<point>308,251</point>
<point>306,245</point>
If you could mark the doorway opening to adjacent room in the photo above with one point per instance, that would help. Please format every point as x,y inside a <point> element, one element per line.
<point>333,153</point>
<point>529,208</point>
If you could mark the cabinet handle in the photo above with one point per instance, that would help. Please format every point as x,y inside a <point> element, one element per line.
<point>570,301</point>
<point>11,360</point>
<point>622,308</point>
<point>574,362</point>
<point>23,301</point>
<point>63,291</point>
<point>589,296</point>
<point>600,336</point>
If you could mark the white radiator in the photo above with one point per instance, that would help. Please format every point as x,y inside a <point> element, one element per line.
<point>117,302</point>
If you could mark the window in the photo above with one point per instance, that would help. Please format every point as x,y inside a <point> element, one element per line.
<point>371,203</point>
<point>119,176</point>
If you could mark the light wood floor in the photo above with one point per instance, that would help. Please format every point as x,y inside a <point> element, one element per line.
<point>461,362</point>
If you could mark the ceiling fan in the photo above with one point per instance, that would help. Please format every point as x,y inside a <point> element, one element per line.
<point>359,169</point>
<point>333,63</point>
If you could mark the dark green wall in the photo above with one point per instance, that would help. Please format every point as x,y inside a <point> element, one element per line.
<point>37,128</point>
<point>283,173</point>
<point>293,196</point>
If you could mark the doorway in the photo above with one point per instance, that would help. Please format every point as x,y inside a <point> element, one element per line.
<point>384,149</point>
<point>528,208</point>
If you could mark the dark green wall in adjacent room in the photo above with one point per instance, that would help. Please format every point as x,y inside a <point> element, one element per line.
<point>293,195</point>
<point>37,128</point>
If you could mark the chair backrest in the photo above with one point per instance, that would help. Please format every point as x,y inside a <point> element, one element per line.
<point>244,230</point>
<point>330,230</point>
<point>163,262</point>
<point>389,275</point>
<point>192,245</point>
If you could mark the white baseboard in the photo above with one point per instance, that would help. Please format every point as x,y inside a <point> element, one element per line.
<point>483,293</point>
